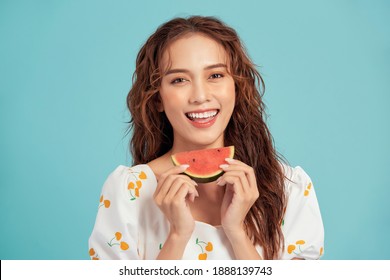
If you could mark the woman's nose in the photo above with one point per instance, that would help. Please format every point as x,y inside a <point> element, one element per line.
<point>199,93</point>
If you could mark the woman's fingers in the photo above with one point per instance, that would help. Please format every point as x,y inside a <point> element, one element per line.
<point>168,191</point>
<point>238,183</point>
<point>179,189</point>
<point>235,178</point>
<point>236,165</point>
<point>176,170</point>
<point>170,182</point>
<point>242,177</point>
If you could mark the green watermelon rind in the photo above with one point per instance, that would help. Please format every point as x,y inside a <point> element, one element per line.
<point>205,178</point>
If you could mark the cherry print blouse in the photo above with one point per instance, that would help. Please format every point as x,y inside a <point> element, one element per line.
<point>129,225</point>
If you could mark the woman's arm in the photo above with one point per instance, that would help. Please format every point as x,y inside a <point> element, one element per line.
<point>173,248</point>
<point>242,246</point>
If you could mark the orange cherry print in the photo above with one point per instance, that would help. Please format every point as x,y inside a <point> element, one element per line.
<point>91,252</point>
<point>203,246</point>
<point>142,175</point>
<point>118,235</point>
<point>291,248</point>
<point>306,193</point>
<point>104,202</point>
<point>209,247</point>
<point>131,186</point>
<point>124,246</point>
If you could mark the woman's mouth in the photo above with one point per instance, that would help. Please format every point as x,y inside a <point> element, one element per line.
<point>202,119</point>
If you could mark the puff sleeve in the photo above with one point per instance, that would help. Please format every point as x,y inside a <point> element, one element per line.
<point>116,231</point>
<point>302,225</point>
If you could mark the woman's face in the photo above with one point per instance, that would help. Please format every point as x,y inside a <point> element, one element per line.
<point>197,93</point>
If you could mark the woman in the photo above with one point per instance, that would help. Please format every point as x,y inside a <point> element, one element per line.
<point>194,88</point>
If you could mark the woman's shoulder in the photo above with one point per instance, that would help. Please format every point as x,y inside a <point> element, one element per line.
<point>137,172</point>
<point>128,181</point>
<point>160,165</point>
<point>296,178</point>
<point>302,225</point>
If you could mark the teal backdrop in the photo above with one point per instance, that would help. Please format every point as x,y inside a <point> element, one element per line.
<point>65,71</point>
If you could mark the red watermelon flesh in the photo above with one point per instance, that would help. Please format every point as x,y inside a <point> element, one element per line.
<point>204,164</point>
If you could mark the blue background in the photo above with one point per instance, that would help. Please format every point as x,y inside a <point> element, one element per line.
<point>65,70</point>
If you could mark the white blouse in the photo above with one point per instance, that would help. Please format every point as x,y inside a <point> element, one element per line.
<point>129,225</point>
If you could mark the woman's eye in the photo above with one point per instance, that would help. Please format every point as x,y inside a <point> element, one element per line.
<point>216,76</point>
<point>178,80</point>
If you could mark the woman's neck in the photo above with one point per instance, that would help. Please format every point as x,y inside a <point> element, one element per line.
<point>207,207</point>
<point>211,192</point>
<point>179,146</point>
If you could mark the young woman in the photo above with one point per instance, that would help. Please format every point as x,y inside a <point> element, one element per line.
<point>194,88</point>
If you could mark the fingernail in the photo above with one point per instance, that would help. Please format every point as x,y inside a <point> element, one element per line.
<point>229,159</point>
<point>184,166</point>
<point>224,166</point>
<point>220,183</point>
<point>195,183</point>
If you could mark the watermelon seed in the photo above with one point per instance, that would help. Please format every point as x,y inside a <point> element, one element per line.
<point>193,160</point>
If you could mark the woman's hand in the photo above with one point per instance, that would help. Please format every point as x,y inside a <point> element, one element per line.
<point>173,193</point>
<point>240,194</point>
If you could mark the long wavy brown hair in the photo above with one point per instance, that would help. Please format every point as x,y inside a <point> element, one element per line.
<point>246,130</point>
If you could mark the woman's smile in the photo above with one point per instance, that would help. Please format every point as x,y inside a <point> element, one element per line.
<point>203,119</point>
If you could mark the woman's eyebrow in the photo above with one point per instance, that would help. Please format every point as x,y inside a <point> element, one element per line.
<point>218,65</point>
<point>181,70</point>
<point>172,71</point>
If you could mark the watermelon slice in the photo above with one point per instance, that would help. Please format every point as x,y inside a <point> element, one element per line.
<point>204,164</point>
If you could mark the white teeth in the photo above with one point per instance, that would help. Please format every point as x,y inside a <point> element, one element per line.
<point>203,115</point>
